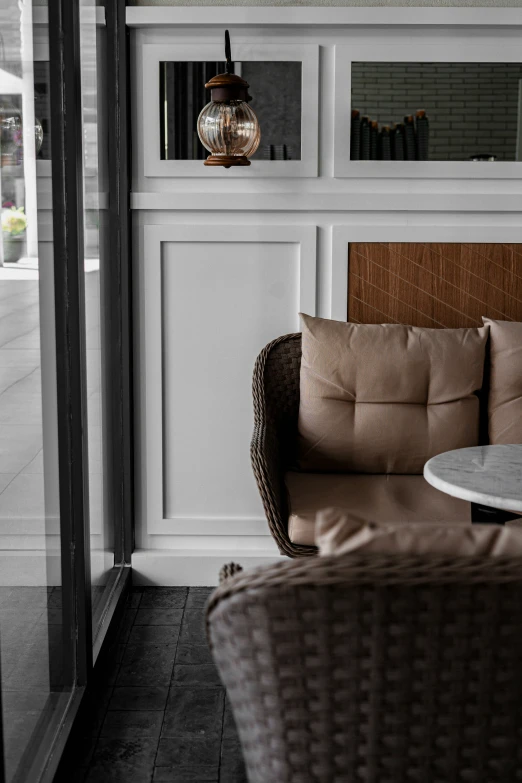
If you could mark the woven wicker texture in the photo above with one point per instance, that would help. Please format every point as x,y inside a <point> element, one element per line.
<point>374,669</point>
<point>275,391</point>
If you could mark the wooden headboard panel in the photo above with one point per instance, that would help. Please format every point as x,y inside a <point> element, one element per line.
<point>434,284</point>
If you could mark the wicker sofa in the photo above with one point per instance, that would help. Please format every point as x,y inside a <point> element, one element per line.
<point>374,669</point>
<point>289,493</point>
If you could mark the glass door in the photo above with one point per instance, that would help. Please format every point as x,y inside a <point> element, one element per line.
<point>35,651</point>
<point>65,412</point>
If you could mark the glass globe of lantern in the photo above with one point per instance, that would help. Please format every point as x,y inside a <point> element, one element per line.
<point>227,127</point>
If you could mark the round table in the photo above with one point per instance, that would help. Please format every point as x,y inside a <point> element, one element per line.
<point>490,477</point>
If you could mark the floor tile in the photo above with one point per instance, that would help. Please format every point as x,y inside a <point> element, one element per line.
<point>193,629</point>
<point>229,724</point>
<point>147,664</point>
<point>26,359</point>
<point>134,598</point>
<point>232,767</point>
<point>125,626</point>
<point>18,408</point>
<point>158,616</point>
<point>5,479</point>
<point>130,724</point>
<point>163,597</point>
<point>145,730</point>
<point>128,761</point>
<point>19,445</point>
<point>187,750</point>
<point>154,634</point>
<point>9,376</point>
<point>194,712</point>
<point>193,654</point>
<point>94,710</point>
<point>182,774</point>
<point>24,498</point>
<point>198,597</point>
<point>203,676</point>
<point>135,698</point>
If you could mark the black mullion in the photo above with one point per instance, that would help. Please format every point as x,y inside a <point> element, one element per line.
<point>119,275</point>
<point>69,292</point>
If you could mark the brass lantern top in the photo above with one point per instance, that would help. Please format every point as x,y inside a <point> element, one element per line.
<point>226,87</point>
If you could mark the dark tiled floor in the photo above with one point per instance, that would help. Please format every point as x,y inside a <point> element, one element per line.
<point>161,713</point>
<point>31,645</point>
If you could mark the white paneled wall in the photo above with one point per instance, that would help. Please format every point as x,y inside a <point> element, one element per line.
<point>224,260</point>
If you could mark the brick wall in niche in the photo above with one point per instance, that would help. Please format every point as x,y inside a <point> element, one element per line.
<point>472,107</point>
<point>434,284</point>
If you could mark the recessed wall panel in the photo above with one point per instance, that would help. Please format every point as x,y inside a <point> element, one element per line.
<point>221,303</point>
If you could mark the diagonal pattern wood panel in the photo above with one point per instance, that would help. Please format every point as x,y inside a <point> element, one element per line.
<point>434,284</point>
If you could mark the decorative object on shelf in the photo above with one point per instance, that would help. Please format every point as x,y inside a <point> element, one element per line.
<point>385,143</point>
<point>374,139</point>
<point>355,135</point>
<point>398,142</point>
<point>14,224</point>
<point>487,156</point>
<point>227,126</point>
<point>422,128</point>
<point>365,138</point>
<point>409,138</point>
<point>277,152</point>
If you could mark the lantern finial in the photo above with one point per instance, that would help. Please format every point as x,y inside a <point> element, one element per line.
<point>229,68</point>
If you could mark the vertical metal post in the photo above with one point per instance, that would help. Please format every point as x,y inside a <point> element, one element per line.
<point>120,274</point>
<point>69,291</point>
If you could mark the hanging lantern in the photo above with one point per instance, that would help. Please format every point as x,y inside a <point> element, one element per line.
<point>227,126</point>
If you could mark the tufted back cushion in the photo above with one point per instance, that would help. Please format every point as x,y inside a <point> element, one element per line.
<point>505,385</point>
<point>385,398</point>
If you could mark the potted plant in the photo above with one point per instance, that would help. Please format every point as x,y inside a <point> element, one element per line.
<point>14,224</point>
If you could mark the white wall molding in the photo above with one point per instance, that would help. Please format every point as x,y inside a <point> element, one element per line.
<point>331,202</point>
<point>496,49</point>
<point>233,16</point>
<point>147,76</point>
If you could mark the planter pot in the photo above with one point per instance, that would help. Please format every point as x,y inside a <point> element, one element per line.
<point>13,249</point>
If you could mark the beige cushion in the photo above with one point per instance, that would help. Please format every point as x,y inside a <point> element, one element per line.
<point>505,389</point>
<point>386,398</point>
<point>370,498</point>
<point>337,532</point>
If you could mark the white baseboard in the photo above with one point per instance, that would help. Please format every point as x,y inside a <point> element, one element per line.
<point>192,568</point>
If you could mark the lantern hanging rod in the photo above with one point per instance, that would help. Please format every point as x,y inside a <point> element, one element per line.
<point>228,54</point>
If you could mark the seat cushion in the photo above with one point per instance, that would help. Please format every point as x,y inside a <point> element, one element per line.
<point>505,385</point>
<point>385,398</point>
<point>367,498</point>
<point>336,533</point>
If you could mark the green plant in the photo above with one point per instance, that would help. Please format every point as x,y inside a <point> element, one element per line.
<point>14,221</point>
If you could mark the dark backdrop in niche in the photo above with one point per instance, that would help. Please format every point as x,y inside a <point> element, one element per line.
<point>276,99</point>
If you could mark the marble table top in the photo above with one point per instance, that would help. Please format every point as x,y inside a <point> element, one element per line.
<point>488,475</point>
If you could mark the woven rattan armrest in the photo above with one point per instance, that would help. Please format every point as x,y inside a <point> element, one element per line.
<point>275,391</point>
